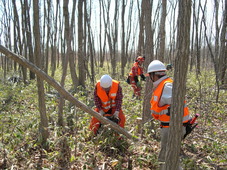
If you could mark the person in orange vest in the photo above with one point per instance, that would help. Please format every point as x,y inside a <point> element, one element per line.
<point>108,100</point>
<point>161,101</point>
<point>137,71</point>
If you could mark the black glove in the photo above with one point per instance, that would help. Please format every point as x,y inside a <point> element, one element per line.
<point>136,79</point>
<point>168,113</point>
<point>143,77</point>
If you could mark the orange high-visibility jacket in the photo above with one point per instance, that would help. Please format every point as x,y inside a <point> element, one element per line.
<point>139,69</point>
<point>108,101</point>
<point>159,112</point>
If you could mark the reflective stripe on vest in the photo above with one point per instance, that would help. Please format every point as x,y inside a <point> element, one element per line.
<point>160,112</point>
<point>108,101</point>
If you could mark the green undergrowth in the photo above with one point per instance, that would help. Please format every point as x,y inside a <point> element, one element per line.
<point>73,146</point>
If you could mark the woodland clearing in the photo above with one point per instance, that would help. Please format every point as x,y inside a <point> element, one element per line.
<point>72,148</point>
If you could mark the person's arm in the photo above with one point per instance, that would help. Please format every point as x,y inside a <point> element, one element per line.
<point>134,71</point>
<point>135,74</point>
<point>119,98</point>
<point>97,100</point>
<point>166,97</point>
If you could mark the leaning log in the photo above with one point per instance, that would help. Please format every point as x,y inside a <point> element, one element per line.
<point>24,62</point>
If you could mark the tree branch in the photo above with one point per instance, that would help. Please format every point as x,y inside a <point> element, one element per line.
<point>24,62</point>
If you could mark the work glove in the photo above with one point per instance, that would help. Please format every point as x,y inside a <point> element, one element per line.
<point>101,112</point>
<point>116,114</point>
<point>138,84</point>
<point>143,77</point>
<point>136,79</point>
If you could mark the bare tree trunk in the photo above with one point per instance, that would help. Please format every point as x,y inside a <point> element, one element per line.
<point>7,32</point>
<point>81,61</point>
<point>115,38</point>
<point>197,41</point>
<point>63,92</point>
<point>86,57</point>
<point>179,85</point>
<point>173,33</point>
<point>192,59</point>
<point>212,55</point>
<point>110,33</point>
<point>88,20</point>
<point>149,52</point>
<point>41,95</point>
<point>101,55</point>
<point>123,54</point>
<point>49,24</point>
<point>65,63</point>
<point>54,43</point>
<point>17,39</point>
<point>217,30</point>
<point>223,56</point>
<point>129,31</point>
<point>162,33</point>
<point>29,37</point>
<point>140,50</point>
<point>69,48</point>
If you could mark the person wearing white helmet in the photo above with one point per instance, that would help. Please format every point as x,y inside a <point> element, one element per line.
<point>108,101</point>
<point>161,101</point>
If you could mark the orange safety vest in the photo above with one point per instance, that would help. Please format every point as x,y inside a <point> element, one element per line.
<point>108,100</point>
<point>160,112</point>
<point>139,69</point>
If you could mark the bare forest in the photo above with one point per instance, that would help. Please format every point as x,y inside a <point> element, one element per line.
<point>52,53</point>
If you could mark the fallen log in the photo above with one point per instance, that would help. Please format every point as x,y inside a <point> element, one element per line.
<point>24,62</point>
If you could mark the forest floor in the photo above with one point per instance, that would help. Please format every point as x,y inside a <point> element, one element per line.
<point>72,148</point>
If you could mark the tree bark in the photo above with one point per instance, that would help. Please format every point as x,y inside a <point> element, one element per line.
<point>81,56</point>
<point>29,37</point>
<point>149,52</point>
<point>179,85</point>
<point>69,48</point>
<point>41,96</point>
<point>42,75</point>
<point>162,33</point>
<point>88,21</point>
<point>140,50</point>
<point>18,46</point>
<point>123,55</point>
<point>54,48</point>
<point>223,56</point>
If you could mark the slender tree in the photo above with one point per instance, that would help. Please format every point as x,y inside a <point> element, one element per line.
<point>179,85</point>
<point>40,85</point>
<point>140,50</point>
<point>223,49</point>
<point>123,53</point>
<point>18,46</point>
<point>162,32</point>
<point>54,58</point>
<point>90,44</point>
<point>81,57</point>
<point>149,53</point>
<point>69,35</point>
<point>29,36</point>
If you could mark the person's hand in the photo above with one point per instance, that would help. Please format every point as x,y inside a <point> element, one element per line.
<point>143,77</point>
<point>138,84</point>
<point>101,112</point>
<point>116,114</point>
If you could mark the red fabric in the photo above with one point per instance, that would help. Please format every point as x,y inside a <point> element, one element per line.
<point>136,70</point>
<point>136,89</point>
<point>95,123</point>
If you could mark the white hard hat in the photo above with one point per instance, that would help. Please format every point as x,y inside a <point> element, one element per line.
<point>106,81</point>
<point>156,66</point>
